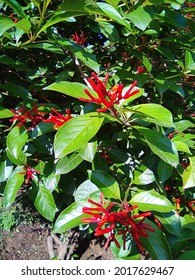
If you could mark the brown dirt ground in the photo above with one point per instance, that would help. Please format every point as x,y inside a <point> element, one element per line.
<point>30,242</point>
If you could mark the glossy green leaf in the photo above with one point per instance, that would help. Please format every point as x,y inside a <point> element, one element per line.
<point>152,201</point>
<point>188,175</point>
<point>86,6</point>
<point>58,18</point>
<point>76,133</point>
<point>15,147</point>
<point>6,168</point>
<point>109,31</point>
<point>42,128</point>
<point>106,183</point>
<point>45,204</point>
<point>16,7</point>
<point>88,151</point>
<point>183,125</point>
<point>156,244</point>
<point>161,145</point>
<point>187,255</point>
<point>21,158</point>
<point>141,17</point>
<point>51,182</point>
<point>190,60</point>
<point>144,173</point>
<point>12,186</point>
<point>6,24</point>
<point>112,13</point>
<point>80,53</point>
<point>85,190</point>
<point>68,163</point>
<point>154,113</point>
<point>69,88</point>
<point>182,147</point>
<point>170,221</point>
<point>5,113</point>
<point>71,216</point>
<point>164,171</point>
<point>24,24</point>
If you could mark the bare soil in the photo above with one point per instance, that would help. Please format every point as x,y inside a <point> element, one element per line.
<point>36,242</point>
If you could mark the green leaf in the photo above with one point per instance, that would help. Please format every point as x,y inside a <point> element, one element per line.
<point>183,125</point>
<point>20,160</point>
<point>6,168</point>
<point>170,221</point>
<point>187,255</point>
<point>160,145</point>
<point>88,151</point>
<point>109,31</point>
<point>188,175</point>
<point>154,113</point>
<point>182,147</point>
<point>15,147</point>
<point>45,204</point>
<point>24,24</point>
<point>190,60</point>
<point>164,171</point>
<point>68,163</point>
<point>156,244</point>
<point>16,7</point>
<point>51,182</point>
<point>80,53</point>
<point>75,90</point>
<point>141,17</point>
<point>58,18</point>
<point>15,89</point>
<point>5,113</point>
<point>6,24</point>
<point>144,173</point>
<point>112,13</point>
<point>12,186</point>
<point>76,133</point>
<point>85,190</point>
<point>42,128</point>
<point>152,201</point>
<point>106,183</point>
<point>86,6</point>
<point>71,216</point>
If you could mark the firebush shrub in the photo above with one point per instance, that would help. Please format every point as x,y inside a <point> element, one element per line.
<point>97,119</point>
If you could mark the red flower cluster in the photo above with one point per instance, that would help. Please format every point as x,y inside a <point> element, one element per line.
<point>122,222</point>
<point>29,172</point>
<point>107,98</point>
<point>79,39</point>
<point>59,119</point>
<point>141,70</point>
<point>23,116</point>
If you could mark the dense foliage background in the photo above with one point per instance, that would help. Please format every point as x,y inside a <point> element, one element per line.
<point>63,143</point>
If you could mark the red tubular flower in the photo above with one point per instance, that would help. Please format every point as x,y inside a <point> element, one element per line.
<point>192,204</point>
<point>107,98</point>
<point>121,222</point>
<point>29,172</point>
<point>141,70</point>
<point>79,39</point>
<point>23,116</point>
<point>59,119</point>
